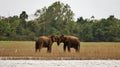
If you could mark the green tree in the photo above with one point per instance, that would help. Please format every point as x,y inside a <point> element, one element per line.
<point>23,15</point>
<point>55,17</point>
<point>107,29</point>
<point>80,20</point>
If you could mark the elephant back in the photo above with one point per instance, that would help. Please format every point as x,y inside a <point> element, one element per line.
<point>44,39</point>
<point>71,38</point>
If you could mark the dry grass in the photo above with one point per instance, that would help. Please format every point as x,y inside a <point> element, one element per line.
<point>88,50</point>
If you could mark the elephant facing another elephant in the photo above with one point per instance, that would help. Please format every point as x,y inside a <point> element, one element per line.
<point>45,42</point>
<point>70,42</point>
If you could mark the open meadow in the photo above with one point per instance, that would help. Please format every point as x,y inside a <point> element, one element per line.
<point>88,50</point>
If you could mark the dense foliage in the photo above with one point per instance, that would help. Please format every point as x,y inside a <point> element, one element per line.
<point>58,19</point>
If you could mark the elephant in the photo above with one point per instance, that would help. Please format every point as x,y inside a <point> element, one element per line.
<point>45,42</point>
<point>70,42</point>
<point>57,40</point>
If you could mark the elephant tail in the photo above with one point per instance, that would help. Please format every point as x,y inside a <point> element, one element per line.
<point>36,46</point>
<point>79,46</point>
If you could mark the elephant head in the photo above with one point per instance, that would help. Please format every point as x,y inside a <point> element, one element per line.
<point>55,38</point>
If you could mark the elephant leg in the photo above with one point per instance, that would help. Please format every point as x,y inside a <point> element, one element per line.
<point>36,46</point>
<point>49,49</point>
<point>64,47</point>
<point>78,48</point>
<point>68,48</point>
<point>37,50</point>
<point>40,48</point>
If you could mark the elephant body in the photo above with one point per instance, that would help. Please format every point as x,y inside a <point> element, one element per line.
<point>70,42</point>
<point>44,42</point>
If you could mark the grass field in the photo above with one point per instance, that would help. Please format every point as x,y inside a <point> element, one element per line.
<point>88,50</point>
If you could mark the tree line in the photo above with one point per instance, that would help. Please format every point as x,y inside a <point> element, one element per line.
<point>58,19</point>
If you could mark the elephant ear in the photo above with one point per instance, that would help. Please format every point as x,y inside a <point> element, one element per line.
<point>62,38</point>
<point>66,39</point>
<point>52,38</point>
<point>62,35</point>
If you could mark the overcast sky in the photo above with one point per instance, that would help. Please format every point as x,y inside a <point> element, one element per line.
<point>85,8</point>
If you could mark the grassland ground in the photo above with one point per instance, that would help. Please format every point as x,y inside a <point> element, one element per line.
<point>88,50</point>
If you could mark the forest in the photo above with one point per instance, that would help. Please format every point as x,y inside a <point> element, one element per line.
<point>58,19</point>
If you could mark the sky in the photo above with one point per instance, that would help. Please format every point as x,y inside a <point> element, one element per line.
<point>85,8</point>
